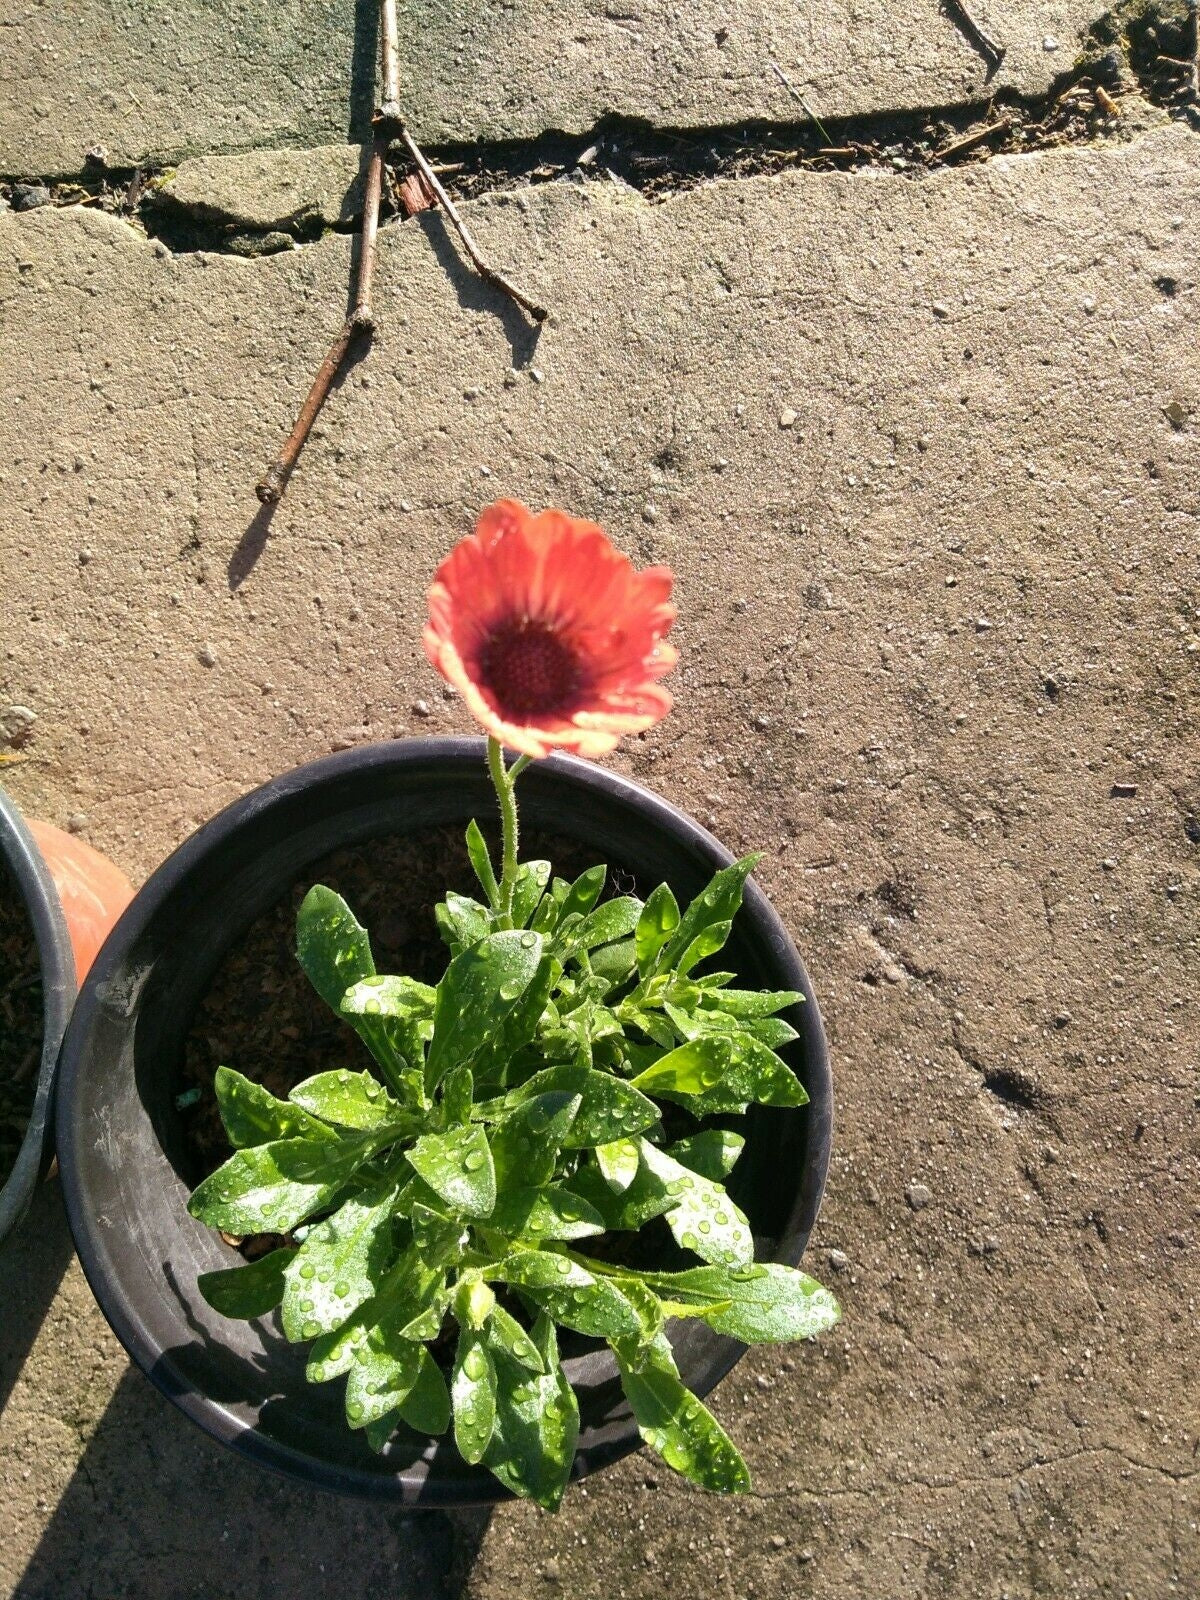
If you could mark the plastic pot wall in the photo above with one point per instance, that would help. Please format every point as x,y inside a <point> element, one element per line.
<point>119,1136</point>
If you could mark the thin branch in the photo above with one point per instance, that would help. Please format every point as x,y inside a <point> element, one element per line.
<point>800,101</point>
<point>1195,9</point>
<point>969,141</point>
<point>992,52</point>
<point>482,266</point>
<point>389,62</point>
<point>359,322</point>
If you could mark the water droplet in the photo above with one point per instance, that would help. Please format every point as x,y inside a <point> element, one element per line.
<point>705,1226</point>
<point>354,1409</point>
<point>474,1364</point>
<point>563,1265</point>
<point>689,1241</point>
<point>341,1289</point>
<point>721,1218</point>
<point>473,1160</point>
<point>310,1330</point>
<point>306,1305</point>
<point>372,1008</point>
<point>528,940</point>
<point>343,1077</point>
<point>509,991</point>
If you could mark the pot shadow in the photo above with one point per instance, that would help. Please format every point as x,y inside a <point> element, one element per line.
<point>158,1511</point>
<point>33,1260</point>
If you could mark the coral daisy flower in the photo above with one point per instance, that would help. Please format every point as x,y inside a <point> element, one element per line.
<point>553,639</point>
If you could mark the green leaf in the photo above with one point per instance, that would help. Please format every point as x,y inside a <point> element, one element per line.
<point>458,1090</point>
<point>614,963</point>
<point>481,861</point>
<point>544,1213</point>
<point>645,1198</point>
<point>713,1153</point>
<point>530,885</point>
<point>409,1287</point>
<point>618,1162</point>
<point>438,1239</point>
<point>351,1100</point>
<point>706,943</point>
<point>752,1002</point>
<point>475,996</point>
<point>494,1059</point>
<point>766,1304</point>
<point>341,1263</point>
<point>674,1423</point>
<point>689,1070</point>
<point>393,1017</point>
<point>381,1430</point>
<point>332,945</point>
<point>249,1291</point>
<point>457,1166</point>
<point>462,922</point>
<point>537,1427</point>
<point>426,1407</point>
<point>570,1294</point>
<point>583,893</point>
<point>609,1109</point>
<point>704,1218</point>
<point>506,1334</point>
<point>525,1144</point>
<point>252,1115</point>
<point>774,1032</point>
<point>658,920</point>
<point>473,1302</point>
<point>473,1395</point>
<point>718,903</point>
<point>272,1187</point>
<point>755,1073</point>
<point>613,920</point>
<point>383,1372</point>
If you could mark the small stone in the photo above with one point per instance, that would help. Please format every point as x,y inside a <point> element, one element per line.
<point>778,1541</point>
<point>1049,44</point>
<point>16,723</point>
<point>537,374</point>
<point>449,692</point>
<point>551,1570</point>
<point>85,556</point>
<point>952,582</point>
<point>1123,791</point>
<point>940,309</point>
<point>787,418</point>
<point>982,625</point>
<point>1176,414</point>
<point>406,505</point>
<point>1062,1019</point>
<point>510,378</point>
<point>806,1555</point>
<point>817,596</point>
<point>918,1196</point>
<point>1109,864</point>
<point>760,721</point>
<point>838,1260</point>
<point>77,822</point>
<point>421,708</point>
<point>650,512</point>
<point>1089,305</point>
<point>29,196</point>
<point>206,656</point>
<point>96,155</point>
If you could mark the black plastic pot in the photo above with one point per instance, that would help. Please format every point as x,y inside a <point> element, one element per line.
<point>34,884</point>
<point>119,1134</point>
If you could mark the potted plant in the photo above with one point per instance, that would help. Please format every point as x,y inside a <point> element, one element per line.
<point>542,1210</point>
<point>58,898</point>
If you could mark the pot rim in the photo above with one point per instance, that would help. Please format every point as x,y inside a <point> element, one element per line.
<point>39,896</point>
<point>148,903</point>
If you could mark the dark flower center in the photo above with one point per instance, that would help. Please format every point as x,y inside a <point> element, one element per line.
<point>530,669</point>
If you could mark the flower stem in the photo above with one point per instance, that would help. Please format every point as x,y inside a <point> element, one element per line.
<point>504,782</point>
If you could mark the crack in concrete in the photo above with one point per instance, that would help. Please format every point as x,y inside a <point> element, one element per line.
<point>1139,51</point>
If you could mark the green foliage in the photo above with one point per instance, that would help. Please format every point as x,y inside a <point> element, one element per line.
<point>456,1176</point>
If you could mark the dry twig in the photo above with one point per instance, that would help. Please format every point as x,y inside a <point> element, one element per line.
<point>992,52</point>
<point>800,101</point>
<point>387,124</point>
<point>970,140</point>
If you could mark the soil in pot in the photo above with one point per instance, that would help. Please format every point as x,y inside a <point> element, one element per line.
<point>21,1021</point>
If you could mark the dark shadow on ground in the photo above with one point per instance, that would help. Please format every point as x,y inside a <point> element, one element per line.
<point>362,70</point>
<point>158,1511</point>
<point>32,1262</point>
<point>476,294</point>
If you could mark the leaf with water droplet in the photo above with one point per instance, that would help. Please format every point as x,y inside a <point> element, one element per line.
<point>609,1109</point>
<point>394,1017</point>
<point>353,1100</point>
<point>506,1334</point>
<point>582,895</point>
<point>712,1153</point>
<point>527,1139</point>
<point>473,1396</point>
<point>570,1294</point>
<point>718,904</point>
<point>252,1115</point>
<point>271,1187</point>
<point>699,1201</point>
<point>438,1239</point>
<point>532,878</point>
<point>771,1304</point>
<point>658,920</point>
<point>249,1291</point>
<point>383,1371</point>
<point>469,1010</point>
<point>688,1070</point>
<point>547,1212</point>
<point>612,921</point>
<point>351,1251</point>
<point>618,1162</point>
<point>674,1423</point>
<point>457,1165</point>
<point>537,1424</point>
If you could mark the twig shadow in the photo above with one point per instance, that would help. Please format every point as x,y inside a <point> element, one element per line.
<point>476,294</point>
<point>250,547</point>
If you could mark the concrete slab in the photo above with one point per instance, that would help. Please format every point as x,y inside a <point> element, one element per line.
<point>924,456</point>
<point>154,83</point>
